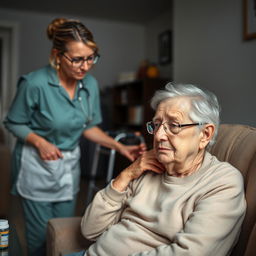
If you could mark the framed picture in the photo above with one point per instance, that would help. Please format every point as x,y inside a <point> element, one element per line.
<point>165,47</point>
<point>249,9</point>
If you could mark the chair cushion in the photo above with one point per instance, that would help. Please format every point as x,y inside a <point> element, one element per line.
<point>64,236</point>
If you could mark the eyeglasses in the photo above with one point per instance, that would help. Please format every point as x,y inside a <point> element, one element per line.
<point>169,128</point>
<point>79,61</point>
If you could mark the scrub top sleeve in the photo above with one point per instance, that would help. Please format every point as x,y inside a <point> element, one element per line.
<point>19,116</point>
<point>19,131</point>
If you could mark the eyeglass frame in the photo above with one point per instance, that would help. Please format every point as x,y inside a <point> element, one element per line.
<point>173,124</point>
<point>83,60</point>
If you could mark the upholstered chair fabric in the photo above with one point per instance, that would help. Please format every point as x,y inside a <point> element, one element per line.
<point>236,144</point>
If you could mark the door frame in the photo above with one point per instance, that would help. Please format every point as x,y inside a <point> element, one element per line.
<point>9,34</point>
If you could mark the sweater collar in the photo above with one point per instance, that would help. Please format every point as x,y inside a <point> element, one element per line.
<point>181,180</point>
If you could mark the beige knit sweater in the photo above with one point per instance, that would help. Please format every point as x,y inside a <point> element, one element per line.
<point>197,215</point>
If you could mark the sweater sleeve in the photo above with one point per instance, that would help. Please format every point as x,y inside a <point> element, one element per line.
<point>18,118</point>
<point>103,212</point>
<point>214,225</point>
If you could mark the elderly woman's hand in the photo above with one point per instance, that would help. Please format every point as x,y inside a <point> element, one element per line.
<point>146,162</point>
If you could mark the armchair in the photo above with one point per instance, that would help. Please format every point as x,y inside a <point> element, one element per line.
<point>235,144</point>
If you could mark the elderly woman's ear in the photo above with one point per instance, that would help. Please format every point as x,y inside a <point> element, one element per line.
<point>206,135</point>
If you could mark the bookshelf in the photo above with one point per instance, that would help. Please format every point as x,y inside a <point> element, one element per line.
<point>131,105</point>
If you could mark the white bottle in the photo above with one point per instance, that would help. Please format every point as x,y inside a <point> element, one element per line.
<point>4,234</point>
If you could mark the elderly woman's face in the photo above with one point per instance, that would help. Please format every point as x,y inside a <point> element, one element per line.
<point>181,148</point>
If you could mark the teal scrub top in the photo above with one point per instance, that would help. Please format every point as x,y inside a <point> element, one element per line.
<point>42,106</point>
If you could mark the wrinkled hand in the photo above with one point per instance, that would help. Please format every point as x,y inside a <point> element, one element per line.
<point>132,152</point>
<point>48,151</point>
<point>146,162</point>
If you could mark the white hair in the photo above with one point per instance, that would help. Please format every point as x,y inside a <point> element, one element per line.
<point>204,104</point>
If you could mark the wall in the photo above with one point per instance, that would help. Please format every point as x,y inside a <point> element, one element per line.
<point>153,29</point>
<point>121,44</point>
<point>210,52</point>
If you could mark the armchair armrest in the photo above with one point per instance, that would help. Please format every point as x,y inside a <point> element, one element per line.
<point>64,236</point>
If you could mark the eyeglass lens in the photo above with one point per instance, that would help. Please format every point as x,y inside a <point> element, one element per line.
<point>152,127</point>
<point>90,60</point>
<point>78,62</point>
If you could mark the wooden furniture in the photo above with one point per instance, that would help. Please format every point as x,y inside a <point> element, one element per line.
<point>5,174</point>
<point>131,104</point>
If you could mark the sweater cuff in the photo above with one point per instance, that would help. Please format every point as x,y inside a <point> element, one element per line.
<point>113,194</point>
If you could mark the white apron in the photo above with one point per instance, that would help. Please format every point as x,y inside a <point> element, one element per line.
<point>51,180</point>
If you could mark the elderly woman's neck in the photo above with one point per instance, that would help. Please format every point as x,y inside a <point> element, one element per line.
<point>189,167</point>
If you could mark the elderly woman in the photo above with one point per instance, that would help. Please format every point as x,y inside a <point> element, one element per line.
<point>176,199</point>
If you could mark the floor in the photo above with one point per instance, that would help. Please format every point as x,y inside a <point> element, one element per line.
<point>16,218</point>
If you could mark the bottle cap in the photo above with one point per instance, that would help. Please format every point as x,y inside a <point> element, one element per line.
<point>4,224</point>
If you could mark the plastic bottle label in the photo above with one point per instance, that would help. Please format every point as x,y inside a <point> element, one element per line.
<point>4,237</point>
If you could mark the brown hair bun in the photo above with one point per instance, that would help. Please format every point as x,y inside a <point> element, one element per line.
<point>52,27</point>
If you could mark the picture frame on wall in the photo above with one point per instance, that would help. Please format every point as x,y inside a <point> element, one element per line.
<point>249,16</point>
<point>165,47</point>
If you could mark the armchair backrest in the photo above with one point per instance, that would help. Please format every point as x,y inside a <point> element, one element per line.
<point>236,144</point>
